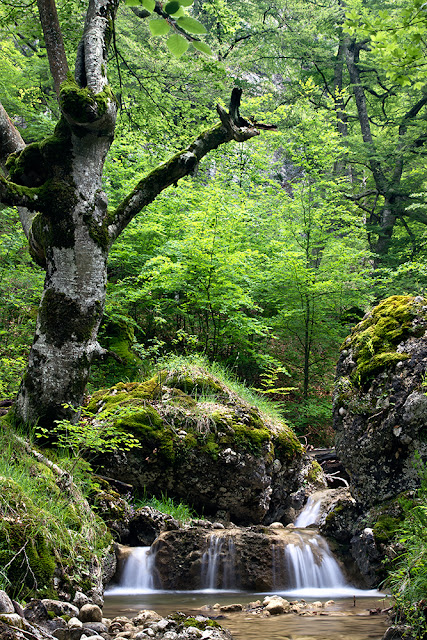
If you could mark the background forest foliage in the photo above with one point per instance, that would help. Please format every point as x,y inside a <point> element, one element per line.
<point>267,256</point>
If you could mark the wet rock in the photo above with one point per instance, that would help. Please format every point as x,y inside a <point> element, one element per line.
<point>6,604</point>
<point>146,525</point>
<point>180,556</point>
<point>368,558</point>
<point>60,608</point>
<point>90,613</point>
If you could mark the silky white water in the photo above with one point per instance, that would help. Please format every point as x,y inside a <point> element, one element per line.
<point>219,564</point>
<point>309,514</point>
<point>138,572</point>
<point>302,565</point>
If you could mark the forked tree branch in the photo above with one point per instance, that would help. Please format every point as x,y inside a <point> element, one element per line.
<point>54,42</point>
<point>232,127</point>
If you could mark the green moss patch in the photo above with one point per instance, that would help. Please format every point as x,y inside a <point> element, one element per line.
<point>286,445</point>
<point>170,421</point>
<point>49,538</point>
<point>184,621</point>
<point>82,105</point>
<point>375,339</point>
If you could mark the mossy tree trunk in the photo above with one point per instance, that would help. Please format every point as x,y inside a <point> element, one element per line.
<point>58,186</point>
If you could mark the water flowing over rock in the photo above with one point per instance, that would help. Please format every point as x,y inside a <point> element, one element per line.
<point>138,569</point>
<point>252,558</point>
<point>219,560</point>
<point>380,407</point>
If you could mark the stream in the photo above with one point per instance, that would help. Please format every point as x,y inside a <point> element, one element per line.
<point>303,568</point>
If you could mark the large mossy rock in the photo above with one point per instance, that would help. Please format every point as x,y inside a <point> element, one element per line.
<point>201,443</point>
<point>380,406</point>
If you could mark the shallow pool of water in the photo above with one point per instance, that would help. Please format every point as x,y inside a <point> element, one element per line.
<point>347,619</point>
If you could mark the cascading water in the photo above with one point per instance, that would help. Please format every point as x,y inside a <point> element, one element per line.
<point>304,564</point>
<point>290,560</point>
<point>310,564</point>
<point>219,564</point>
<point>310,513</point>
<point>138,572</point>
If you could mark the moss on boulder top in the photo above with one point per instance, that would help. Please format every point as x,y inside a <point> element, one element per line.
<point>200,441</point>
<point>374,341</point>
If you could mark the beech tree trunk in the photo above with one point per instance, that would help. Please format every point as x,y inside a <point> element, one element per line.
<point>73,299</point>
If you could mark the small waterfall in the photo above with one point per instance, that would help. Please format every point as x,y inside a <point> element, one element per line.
<point>309,514</point>
<point>219,564</point>
<point>138,572</point>
<point>310,564</point>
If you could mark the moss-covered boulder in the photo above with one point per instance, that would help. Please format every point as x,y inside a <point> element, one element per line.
<point>202,443</point>
<point>380,406</point>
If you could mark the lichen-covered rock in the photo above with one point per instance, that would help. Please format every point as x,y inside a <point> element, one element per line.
<point>202,443</point>
<point>60,608</point>
<point>380,408</point>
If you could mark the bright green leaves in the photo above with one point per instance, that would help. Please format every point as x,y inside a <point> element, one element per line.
<point>191,25</point>
<point>148,4</point>
<point>173,15</point>
<point>159,27</point>
<point>396,37</point>
<point>203,47</point>
<point>172,7</point>
<point>177,45</point>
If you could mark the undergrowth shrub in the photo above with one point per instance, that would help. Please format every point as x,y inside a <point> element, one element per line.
<point>49,537</point>
<point>408,577</point>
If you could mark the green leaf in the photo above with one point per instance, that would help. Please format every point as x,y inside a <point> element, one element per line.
<point>191,25</point>
<point>186,3</point>
<point>133,3</point>
<point>159,27</point>
<point>178,13</point>
<point>177,45</point>
<point>172,7</point>
<point>203,47</point>
<point>148,4</point>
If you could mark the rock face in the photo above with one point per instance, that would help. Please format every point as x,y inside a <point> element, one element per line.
<point>380,407</point>
<point>202,443</point>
